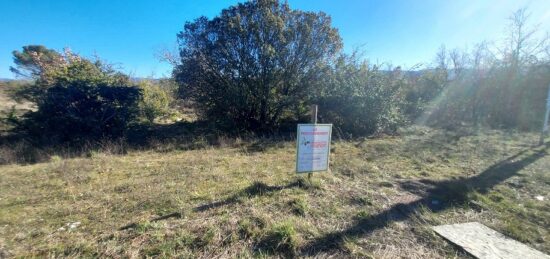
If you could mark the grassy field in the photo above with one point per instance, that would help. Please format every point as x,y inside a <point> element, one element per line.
<point>242,199</point>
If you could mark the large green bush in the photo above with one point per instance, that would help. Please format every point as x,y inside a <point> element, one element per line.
<point>156,101</point>
<point>82,100</point>
<point>360,99</point>
<point>85,111</point>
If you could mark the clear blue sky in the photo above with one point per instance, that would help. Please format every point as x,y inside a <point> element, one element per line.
<point>129,33</point>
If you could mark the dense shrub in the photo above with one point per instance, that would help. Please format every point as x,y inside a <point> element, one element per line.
<point>81,99</point>
<point>361,100</point>
<point>156,101</point>
<point>422,88</point>
<point>83,111</point>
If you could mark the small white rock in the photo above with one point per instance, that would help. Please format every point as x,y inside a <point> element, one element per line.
<point>61,229</point>
<point>74,225</point>
<point>539,197</point>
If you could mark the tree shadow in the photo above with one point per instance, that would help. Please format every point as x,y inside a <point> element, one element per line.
<point>255,189</point>
<point>264,144</point>
<point>22,148</point>
<point>448,194</point>
<point>25,148</point>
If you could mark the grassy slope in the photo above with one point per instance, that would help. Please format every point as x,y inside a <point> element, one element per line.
<point>7,103</point>
<point>236,200</point>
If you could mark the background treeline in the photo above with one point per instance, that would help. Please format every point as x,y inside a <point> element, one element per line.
<point>258,66</point>
<point>499,85</point>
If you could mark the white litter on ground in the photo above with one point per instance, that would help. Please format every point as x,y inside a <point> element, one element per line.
<point>69,226</point>
<point>483,242</point>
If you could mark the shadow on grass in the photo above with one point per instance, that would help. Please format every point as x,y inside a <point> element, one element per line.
<point>19,148</point>
<point>255,189</point>
<point>450,193</point>
<point>159,218</point>
<point>24,148</point>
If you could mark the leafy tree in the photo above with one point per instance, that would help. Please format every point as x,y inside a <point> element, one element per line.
<point>256,63</point>
<point>33,60</point>
<point>32,64</point>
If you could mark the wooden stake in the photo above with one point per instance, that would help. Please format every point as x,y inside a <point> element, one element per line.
<point>313,112</point>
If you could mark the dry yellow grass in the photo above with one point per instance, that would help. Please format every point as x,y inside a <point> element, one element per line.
<point>237,200</point>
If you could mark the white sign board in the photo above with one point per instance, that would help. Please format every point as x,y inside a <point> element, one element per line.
<point>313,147</point>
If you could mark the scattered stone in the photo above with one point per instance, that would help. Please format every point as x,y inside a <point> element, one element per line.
<point>539,197</point>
